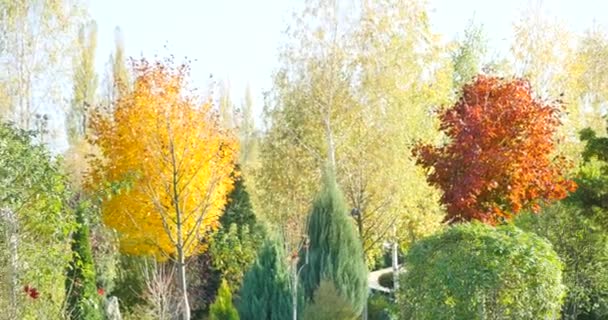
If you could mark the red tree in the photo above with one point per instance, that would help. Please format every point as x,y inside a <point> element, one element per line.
<point>498,160</point>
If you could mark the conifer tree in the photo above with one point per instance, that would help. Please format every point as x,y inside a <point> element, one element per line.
<point>81,291</point>
<point>238,209</point>
<point>265,291</point>
<point>336,253</point>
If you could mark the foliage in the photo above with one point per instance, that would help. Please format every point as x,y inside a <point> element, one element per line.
<point>371,95</point>
<point>233,252</point>
<point>39,39</point>
<point>234,247</point>
<point>386,280</point>
<point>130,283</point>
<point>238,208</point>
<point>328,304</point>
<point>380,307</point>
<point>475,271</point>
<point>33,198</point>
<point>83,298</point>
<point>203,283</point>
<point>222,308</point>
<point>469,54</point>
<point>335,252</point>
<point>166,146</point>
<point>593,194</point>
<point>498,158</point>
<point>265,292</point>
<point>579,233</point>
<point>582,245</point>
<point>85,82</point>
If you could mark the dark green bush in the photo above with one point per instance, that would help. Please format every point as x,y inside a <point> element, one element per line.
<point>386,280</point>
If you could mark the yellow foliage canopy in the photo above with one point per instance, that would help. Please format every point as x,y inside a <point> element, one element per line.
<point>166,150</point>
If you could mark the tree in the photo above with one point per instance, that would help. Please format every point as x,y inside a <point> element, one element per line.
<point>341,87</point>
<point>335,252</point>
<point>81,290</point>
<point>541,50</point>
<point>239,210</point>
<point>116,81</point>
<point>247,131</point>
<point>169,165</point>
<point>232,249</point>
<point>120,73</point>
<point>222,308</point>
<point>468,57</point>
<point>84,98</point>
<point>38,41</point>
<point>226,107</point>
<point>498,158</point>
<point>475,271</point>
<point>265,292</point>
<point>592,196</point>
<point>33,197</point>
<point>85,83</point>
<point>590,72</point>
<point>328,304</point>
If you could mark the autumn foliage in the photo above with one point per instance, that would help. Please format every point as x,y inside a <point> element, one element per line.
<point>499,156</point>
<point>165,161</point>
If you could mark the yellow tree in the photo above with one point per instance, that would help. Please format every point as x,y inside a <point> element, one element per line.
<point>168,163</point>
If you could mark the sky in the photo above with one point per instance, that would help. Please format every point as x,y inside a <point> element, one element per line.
<point>238,40</point>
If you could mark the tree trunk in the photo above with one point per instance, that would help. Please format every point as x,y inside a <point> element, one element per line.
<point>294,293</point>
<point>395,263</point>
<point>183,285</point>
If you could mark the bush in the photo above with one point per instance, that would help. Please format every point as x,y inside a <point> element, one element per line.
<point>222,308</point>
<point>328,304</point>
<point>386,280</point>
<point>474,271</point>
<point>583,247</point>
<point>380,307</point>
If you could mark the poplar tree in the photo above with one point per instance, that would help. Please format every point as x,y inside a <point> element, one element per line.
<point>85,82</point>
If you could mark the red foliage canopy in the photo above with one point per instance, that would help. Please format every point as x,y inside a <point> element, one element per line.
<point>498,160</point>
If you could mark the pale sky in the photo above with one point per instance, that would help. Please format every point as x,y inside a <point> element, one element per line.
<point>238,39</point>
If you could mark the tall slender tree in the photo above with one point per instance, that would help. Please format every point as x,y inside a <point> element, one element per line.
<point>247,129</point>
<point>83,301</point>
<point>85,83</point>
<point>335,252</point>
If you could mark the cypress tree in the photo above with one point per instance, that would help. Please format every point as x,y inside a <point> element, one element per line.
<point>265,292</point>
<point>238,210</point>
<point>335,253</point>
<point>81,290</point>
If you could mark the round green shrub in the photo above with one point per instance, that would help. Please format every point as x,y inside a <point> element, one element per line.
<point>386,280</point>
<point>475,271</point>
